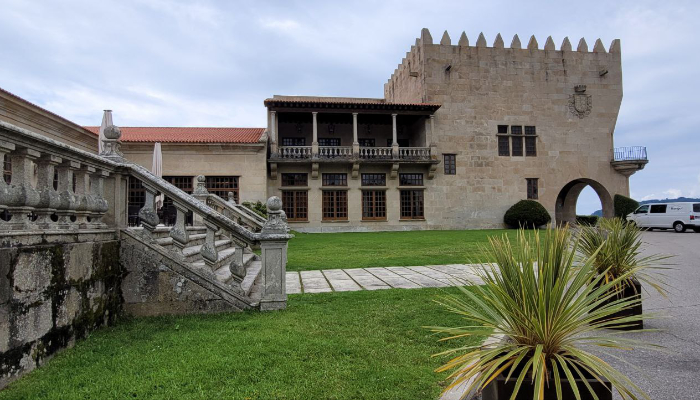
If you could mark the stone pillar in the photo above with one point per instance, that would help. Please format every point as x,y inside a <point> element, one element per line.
<point>179,231</point>
<point>147,214</point>
<point>273,243</point>
<point>22,196</point>
<point>112,144</point>
<point>273,132</point>
<point>97,191</point>
<point>314,143</point>
<point>394,134</point>
<point>49,198</point>
<point>209,252</point>
<point>85,202</point>
<point>68,203</point>
<point>432,143</point>
<point>355,141</point>
<point>200,193</point>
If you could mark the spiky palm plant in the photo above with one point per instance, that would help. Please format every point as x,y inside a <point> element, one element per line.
<point>546,309</point>
<point>615,249</point>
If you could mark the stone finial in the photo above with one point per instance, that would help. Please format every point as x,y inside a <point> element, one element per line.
<point>549,44</point>
<point>481,41</point>
<point>615,46</point>
<point>566,44</point>
<point>425,36</point>
<point>113,132</point>
<point>464,40</point>
<point>598,47</point>
<point>446,39</point>
<point>231,198</point>
<point>111,143</point>
<point>276,218</point>
<point>532,44</point>
<point>201,188</point>
<point>498,42</point>
<point>582,46</point>
<point>515,43</point>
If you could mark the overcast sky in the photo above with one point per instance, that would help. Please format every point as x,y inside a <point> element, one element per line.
<point>212,63</point>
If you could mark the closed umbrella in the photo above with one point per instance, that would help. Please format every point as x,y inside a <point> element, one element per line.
<point>106,121</point>
<point>157,170</point>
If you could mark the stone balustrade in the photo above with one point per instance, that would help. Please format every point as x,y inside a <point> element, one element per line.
<point>228,208</point>
<point>335,152</point>
<point>376,153</point>
<point>295,152</point>
<point>51,185</point>
<point>414,153</point>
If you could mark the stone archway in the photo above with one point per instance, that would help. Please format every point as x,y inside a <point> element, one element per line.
<point>565,210</point>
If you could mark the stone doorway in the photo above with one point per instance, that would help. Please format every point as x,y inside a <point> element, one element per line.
<point>565,211</point>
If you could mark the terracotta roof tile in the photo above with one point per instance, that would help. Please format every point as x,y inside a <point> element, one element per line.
<point>187,135</point>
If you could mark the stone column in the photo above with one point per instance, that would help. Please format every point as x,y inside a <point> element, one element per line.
<point>394,134</point>
<point>432,143</point>
<point>68,203</point>
<point>314,143</point>
<point>273,243</point>
<point>273,132</point>
<point>49,198</point>
<point>355,141</point>
<point>22,195</point>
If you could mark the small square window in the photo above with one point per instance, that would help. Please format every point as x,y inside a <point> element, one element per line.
<point>502,128</point>
<point>532,188</point>
<point>373,179</point>
<point>410,179</point>
<point>335,179</point>
<point>295,179</point>
<point>530,130</point>
<point>450,163</point>
<point>516,130</point>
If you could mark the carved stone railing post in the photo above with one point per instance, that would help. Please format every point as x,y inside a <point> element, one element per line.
<point>97,192</point>
<point>179,231</point>
<point>49,199</point>
<point>112,144</point>
<point>148,214</point>
<point>208,251</point>
<point>231,198</point>
<point>66,207</point>
<point>5,149</point>
<point>22,196</point>
<point>273,243</point>
<point>85,201</point>
<point>200,193</point>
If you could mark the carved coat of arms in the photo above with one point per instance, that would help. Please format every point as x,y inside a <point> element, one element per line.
<point>580,103</point>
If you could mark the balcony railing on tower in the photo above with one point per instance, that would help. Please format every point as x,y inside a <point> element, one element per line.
<point>632,153</point>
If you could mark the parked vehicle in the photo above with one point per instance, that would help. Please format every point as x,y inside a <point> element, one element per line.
<point>676,216</point>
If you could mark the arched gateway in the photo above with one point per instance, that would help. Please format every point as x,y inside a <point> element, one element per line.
<point>565,211</point>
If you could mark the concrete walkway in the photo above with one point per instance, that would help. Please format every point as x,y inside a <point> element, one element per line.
<point>353,279</point>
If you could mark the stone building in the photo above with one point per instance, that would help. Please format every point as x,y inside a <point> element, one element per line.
<point>463,132</point>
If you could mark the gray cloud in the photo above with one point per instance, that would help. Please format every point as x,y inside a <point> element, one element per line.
<point>158,62</point>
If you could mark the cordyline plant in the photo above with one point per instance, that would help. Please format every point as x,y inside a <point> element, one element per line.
<point>614,248</point>
<point>539,312</point>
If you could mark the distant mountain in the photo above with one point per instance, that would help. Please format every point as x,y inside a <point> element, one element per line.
<point>678,200</point>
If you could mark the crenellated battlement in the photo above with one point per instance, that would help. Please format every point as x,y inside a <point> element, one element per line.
<point>413,65</point>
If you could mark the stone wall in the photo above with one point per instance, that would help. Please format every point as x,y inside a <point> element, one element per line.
<point>54,289</point>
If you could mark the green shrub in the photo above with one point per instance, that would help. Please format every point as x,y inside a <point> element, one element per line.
<point>587,220</point>
<point>526,214</point>
<point>624,205</point>
<point>258,207</point>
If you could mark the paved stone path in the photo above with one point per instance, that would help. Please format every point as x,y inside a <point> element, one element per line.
<point>353,279</point>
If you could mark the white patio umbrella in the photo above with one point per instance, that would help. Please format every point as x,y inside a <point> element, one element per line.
<point>157,170</point>
<point>106,121</point>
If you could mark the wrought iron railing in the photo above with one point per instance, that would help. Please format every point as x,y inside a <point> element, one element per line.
<point>632,153</point>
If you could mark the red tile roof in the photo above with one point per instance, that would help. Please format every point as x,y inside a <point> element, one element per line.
<point>187,135</point>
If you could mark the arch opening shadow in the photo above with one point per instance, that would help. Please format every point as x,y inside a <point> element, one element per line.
<point>565,210</point>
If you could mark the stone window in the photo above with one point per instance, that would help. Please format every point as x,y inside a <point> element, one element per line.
<point>335,205</point>
<point>329,141</point>
<point>136,197</point>
<point>221,185</point>
<point>530,141</point>
<point>293,141</point>
<point>512,142</point>
<point>7,169</point>
<point>450,163</point>
<point>410,179</point>
<point>295,179</point>
<point>373,205</point>
<point>168,211</point>
<point>366,142</point>
<point>532,189</point>
<point>295,204</point>
<point>373,179</point>
<point>412,204</point>
<point>335,179</point>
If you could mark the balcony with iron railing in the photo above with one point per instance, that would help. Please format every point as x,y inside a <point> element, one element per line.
<point>628,160</point>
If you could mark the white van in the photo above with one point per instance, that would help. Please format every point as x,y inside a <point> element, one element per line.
<point>676,216</point>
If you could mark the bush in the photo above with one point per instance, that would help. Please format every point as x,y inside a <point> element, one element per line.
<point>624,205</point>
<point>526,214</point>
<point>587,220</point>
<point>258,207</point>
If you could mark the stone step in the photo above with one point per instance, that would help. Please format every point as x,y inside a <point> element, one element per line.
<point>162,232</point>
<point>194,239</point>
<point>193,253</point>
<point>223,273</point>
<point>225,258</point>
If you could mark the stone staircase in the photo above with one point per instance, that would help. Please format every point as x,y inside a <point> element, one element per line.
<point>226,252</point>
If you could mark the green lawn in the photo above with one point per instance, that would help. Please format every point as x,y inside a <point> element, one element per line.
<point>324,346</point>
<point>385,249</point>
